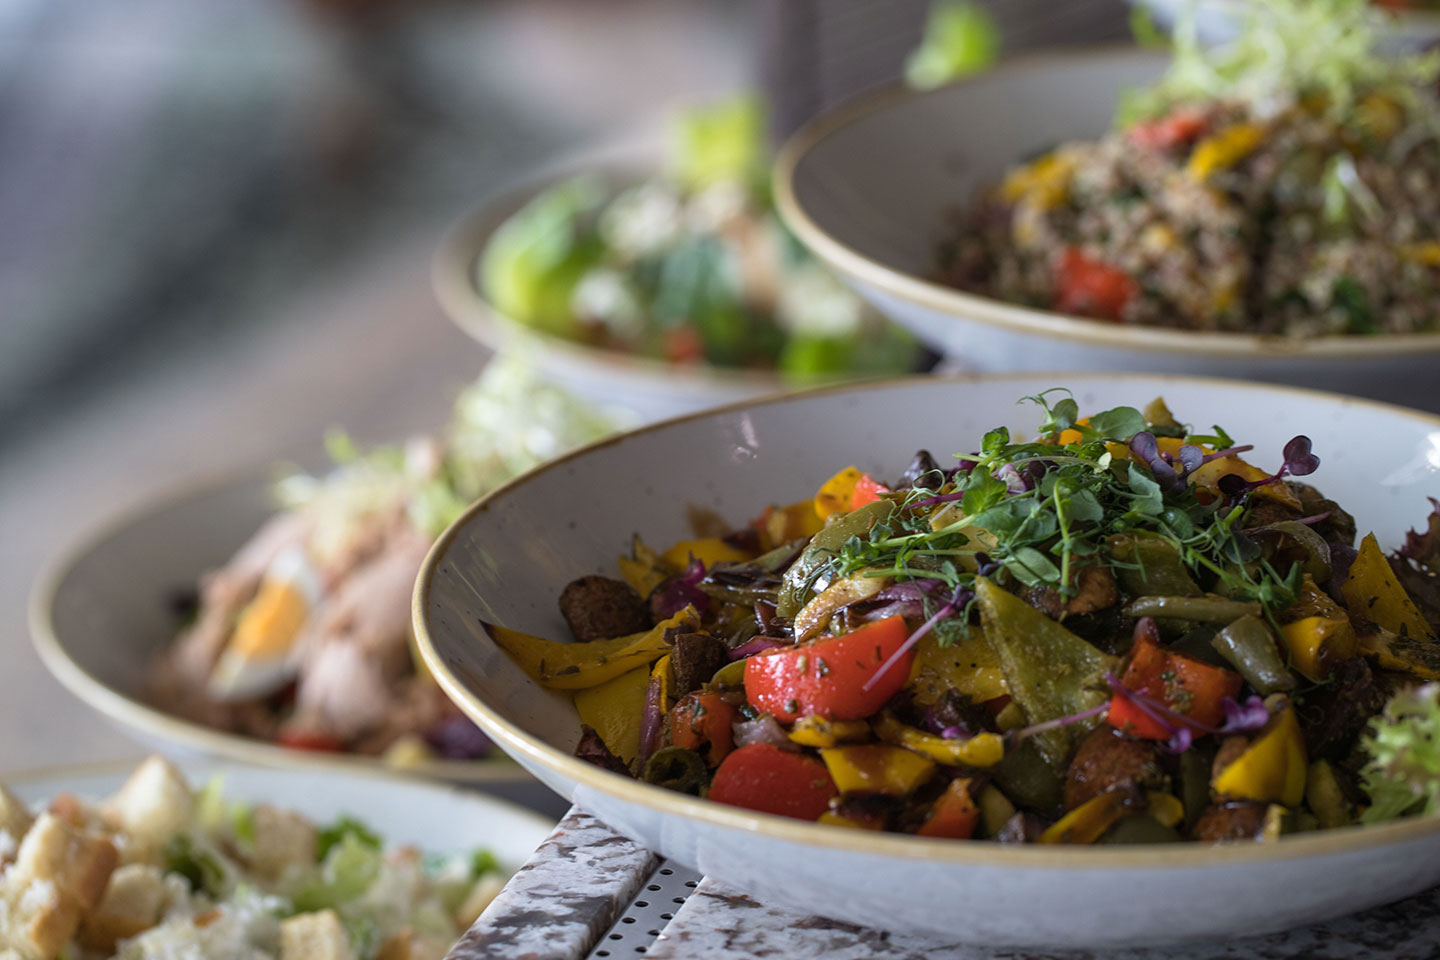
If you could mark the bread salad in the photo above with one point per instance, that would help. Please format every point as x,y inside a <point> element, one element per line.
<point>1286,184</point>
<point>1124,630</point>
<point>689,266</point>
<point>303,637</point>
<point>162,871</point>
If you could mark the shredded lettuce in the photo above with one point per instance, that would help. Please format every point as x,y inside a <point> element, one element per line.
<point>961,38</point>
<point>720,143</point>
<point>1403,775</point>
<point>1323,51</point>
<point>347,871</point>
<point>328,838</point>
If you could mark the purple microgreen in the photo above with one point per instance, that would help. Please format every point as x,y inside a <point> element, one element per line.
<point>1244,717</point>
<point>1024,733</point>
<point>1016,482</point>
<point>986,566</point>
<point>958,601</point>
<point>932,501</point>
<point>1147,450</point>
<point>1192,458</point>
<point>1228,452</point>
<point>1299,461</point>
<point>1180,740</point>
<point>955,732</point>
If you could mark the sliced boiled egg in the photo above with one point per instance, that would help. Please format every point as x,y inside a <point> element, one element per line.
<point>261,655</point>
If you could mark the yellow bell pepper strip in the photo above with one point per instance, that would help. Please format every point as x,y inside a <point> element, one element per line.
<point>835,494</point>
<point>1049,671</point>
<point>1164,807</point>
<point>780,525</point>
<point>832,819</point>
<point>1087,822</point>
<point>614,710</point>
<point>642,568</point>
<point>1417,657</point>
<point>981,750</point>
<point>1224,149</point>
<point>708,550</point>
<point>814,618</point>
<point>817,731</point>
<point>1316,644</point>
<point>1207,477</point>
<point>663,679</point>
<point>876,768</point>
<point>1273,769</point>
<point>1043,183</point>
<point>1372,592</point>
<point>576,666</point>
<point>968,666</point>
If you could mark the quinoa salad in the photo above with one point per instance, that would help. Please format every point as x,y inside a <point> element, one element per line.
<point>1288,184</point>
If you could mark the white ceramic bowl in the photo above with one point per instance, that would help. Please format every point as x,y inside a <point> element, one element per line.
<point>1217,21</point>
<point>434,817</point>
<point>507,559</point>
<point>101,614</point>
<point>642,387</point>
<point>869,187</point>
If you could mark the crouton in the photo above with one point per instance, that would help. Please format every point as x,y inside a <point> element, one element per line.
<point>409,945</point>
<point>154,804</point>
<point>314,936</point>
<point>133,902</point>
<point>59,874</point>
<point>15,820</point>
<point>282,838</point>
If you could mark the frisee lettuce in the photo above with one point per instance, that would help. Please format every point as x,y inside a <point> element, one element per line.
<point>1323,51</point>
<point>1403,742</point>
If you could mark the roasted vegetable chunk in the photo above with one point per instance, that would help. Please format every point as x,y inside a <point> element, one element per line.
<point>1108,761</point>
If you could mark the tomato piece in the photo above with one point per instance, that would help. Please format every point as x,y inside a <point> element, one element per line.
<point>684,345</point>
<point>828,676</point>
<point>1174,130</point>
<point>1186,686</point>
<point>1091,288</point>
<point>301,740</point>
<point>867,490</point>
<point>703,718</point>
<point>763,777</point>
<point>954,814</point>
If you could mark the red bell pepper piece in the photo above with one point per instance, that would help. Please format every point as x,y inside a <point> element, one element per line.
<point>954,814</point>
<point>1194,690</point>
<point>698,719</point>
<point>867,490</point>
<point>1091,288</point>
<point>828,677</point>
<point>1174,130</point>
<point>763,777</point>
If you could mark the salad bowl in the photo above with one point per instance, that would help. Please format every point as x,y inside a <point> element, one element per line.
<point>101,615</point>
<point>505,561</point>
<point>873,187</point>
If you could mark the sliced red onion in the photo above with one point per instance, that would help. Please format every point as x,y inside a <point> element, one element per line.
<point>763,729</point>
<point>650,720</point>
<point>680,592</point>
<point>754,646</point>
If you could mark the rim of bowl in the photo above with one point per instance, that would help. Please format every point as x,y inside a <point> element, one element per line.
<point>1049,324</point>
<point>452,275</point>
<point>215,745</point>
<point>26,776</point>
<point>1339,840</point>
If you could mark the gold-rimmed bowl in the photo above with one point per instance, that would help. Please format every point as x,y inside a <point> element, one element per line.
<point>102,613</point>
<point>508,558</point>
<point>872,188</point>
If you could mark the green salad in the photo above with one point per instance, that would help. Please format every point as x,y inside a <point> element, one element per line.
<point>690,266</point>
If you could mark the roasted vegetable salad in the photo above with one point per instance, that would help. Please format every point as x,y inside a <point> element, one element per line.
<point>1123,630</point>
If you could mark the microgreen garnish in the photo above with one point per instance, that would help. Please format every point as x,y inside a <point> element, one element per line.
<point>1039,513</point>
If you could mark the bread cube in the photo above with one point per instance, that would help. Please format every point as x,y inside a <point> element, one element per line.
<point>282,838</point>
<point>153,805</point>
<point>15,821</point>
<point>314,936</point>
<point>133,902</point>
<point>59,874</point>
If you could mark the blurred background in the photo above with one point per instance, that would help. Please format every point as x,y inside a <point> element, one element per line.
<point>217,218</point>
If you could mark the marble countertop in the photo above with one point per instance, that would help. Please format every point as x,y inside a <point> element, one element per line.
<point>588,892</point>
